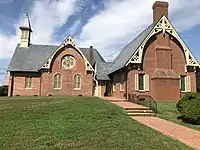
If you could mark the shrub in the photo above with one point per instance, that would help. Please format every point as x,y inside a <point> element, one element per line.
<point>189,107</point>
<point>3,91</point>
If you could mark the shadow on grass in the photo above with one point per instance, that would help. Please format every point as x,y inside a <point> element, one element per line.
<point>189,121</point>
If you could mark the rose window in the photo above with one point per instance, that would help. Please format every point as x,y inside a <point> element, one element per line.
<point>68,62</point>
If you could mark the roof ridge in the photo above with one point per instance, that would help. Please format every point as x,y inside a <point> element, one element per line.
<point>43,45</point>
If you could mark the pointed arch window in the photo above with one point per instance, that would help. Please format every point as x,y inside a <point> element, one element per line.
<point>77,82</point>
<point>57,81</point>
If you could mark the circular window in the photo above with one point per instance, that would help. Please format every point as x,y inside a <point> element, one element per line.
<point>68,62</point>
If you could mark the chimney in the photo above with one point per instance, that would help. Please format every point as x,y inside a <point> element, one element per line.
<point>160,8</point>
<point>91,55</point>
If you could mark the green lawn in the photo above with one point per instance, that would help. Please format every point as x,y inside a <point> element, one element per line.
<point>167,110</point>
<point>74,123</point>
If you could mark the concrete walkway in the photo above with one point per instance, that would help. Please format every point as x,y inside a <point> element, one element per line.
<point>125,105</point>
<point>186,135</point>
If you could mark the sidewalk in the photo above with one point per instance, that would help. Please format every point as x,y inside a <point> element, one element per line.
<point>185,135</point>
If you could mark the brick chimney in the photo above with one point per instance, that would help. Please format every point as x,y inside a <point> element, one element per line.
<point>160,8</point>
<point>91,55</point>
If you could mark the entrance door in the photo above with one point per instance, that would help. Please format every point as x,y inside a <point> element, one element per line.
<point>108,88</point>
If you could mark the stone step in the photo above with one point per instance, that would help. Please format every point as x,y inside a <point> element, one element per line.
<point>141,114</point>
<point>136,108</point>
<point>118,100</point>
<point>139,111</point>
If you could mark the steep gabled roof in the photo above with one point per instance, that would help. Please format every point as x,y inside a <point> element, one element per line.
<point>33,57</point>
<point>129,49</point>
<point>103,69</point>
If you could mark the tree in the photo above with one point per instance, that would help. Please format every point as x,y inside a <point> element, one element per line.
<point>3,90</point>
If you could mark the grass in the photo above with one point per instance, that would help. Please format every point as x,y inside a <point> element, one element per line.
<point>74,123</point>
<point>167,110</point>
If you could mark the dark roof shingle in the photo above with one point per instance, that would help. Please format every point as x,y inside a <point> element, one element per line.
<point>33,57</point>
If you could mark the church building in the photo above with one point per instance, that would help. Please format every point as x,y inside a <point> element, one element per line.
<point>157,63</point>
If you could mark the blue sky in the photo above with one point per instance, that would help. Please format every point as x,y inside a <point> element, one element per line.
<point>108,25</point>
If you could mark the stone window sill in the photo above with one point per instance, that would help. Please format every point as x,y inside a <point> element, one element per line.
<point>57,88</point>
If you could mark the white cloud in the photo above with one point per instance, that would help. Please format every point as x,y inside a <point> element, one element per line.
<point>108,31</point>
<point>121,21</point>
<point>46,16</point>
<point>74,27</point>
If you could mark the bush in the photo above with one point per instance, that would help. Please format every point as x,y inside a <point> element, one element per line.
<point>3,91</point>
<point>189,107</point>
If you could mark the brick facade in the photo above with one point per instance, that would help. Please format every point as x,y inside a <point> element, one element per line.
<point>170,58</point>
<point>42,84</point>
<point>18,84</point>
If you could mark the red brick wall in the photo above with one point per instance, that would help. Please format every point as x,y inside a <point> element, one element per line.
<point>165,89</point>
<point>19,84</point>
<point>193,81</point>
<point>67,76</point>
<point>116,79</point>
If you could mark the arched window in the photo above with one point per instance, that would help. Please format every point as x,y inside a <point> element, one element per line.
<point>77,81</point>
<point>57,81</point>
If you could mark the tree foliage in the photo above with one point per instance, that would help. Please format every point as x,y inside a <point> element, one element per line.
<point>3,91</point>
<point>189,107</point>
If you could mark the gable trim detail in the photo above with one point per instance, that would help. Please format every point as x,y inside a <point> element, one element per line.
<point>164,26</point>
<point>67,41</point>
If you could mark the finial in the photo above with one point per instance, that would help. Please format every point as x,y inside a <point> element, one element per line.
<point>26,23</point>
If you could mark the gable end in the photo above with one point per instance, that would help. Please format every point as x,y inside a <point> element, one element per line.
<point>67,41</point>
<point>164,26</point>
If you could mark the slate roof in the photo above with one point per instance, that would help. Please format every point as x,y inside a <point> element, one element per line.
<point>32,58</point>
<point>103,69</point>
<point>123,57</point>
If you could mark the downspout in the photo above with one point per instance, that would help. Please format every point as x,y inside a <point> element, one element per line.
<point>127,84</point>
<point>12,84</point>
<point>40,92</point>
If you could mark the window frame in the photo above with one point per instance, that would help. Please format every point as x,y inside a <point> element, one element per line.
<point>185,81</point>
<point>76,81</point>
<point>139,74</point>
<point>114,86</point>
<point>28,82</point>
<point>57,85</point>
<point>70,57</point>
